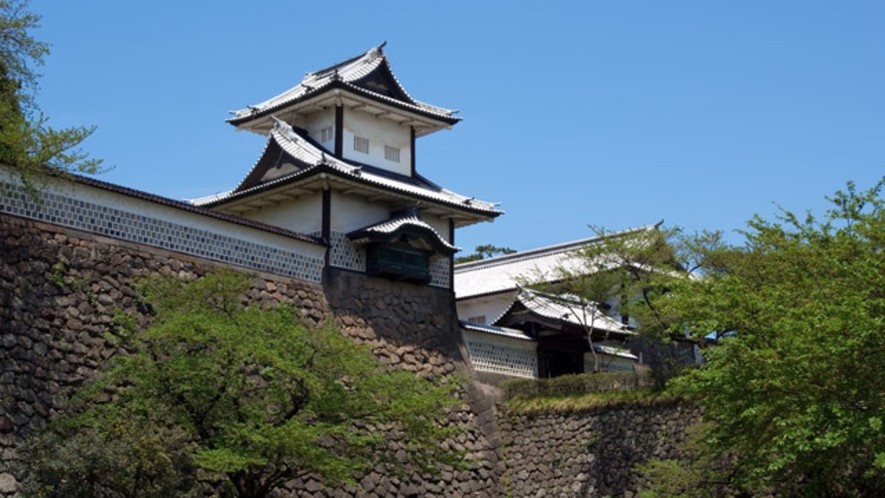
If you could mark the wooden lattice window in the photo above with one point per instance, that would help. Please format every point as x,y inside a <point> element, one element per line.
<point>391,153</point>
<point>361,144</point>
<point>398,262</point>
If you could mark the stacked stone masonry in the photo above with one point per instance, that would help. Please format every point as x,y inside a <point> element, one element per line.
<point>60,288</point>
<point>590,453</point>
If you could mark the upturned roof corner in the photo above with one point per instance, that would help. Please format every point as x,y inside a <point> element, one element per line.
<point>364,80</point>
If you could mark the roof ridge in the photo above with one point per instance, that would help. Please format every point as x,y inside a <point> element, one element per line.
<point>375,51</point>
<point>346,75</point>
<point>538,252</point>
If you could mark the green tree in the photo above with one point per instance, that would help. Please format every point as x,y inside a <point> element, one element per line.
<point>628,270</point>
<point>484,251</point>
<point>27,142</point>
<point>796,389</point>
<point>264,399</point>
<point>125,458</point>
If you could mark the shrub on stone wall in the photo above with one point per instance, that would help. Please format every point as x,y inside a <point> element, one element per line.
<point>569,385</point>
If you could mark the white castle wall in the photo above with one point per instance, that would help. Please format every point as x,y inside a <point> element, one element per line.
<point>501,355</point>
<point>96,210</point>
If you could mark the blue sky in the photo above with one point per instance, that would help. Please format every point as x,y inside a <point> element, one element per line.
<point>615,114</point>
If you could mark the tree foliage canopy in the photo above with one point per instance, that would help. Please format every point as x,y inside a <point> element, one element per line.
<point>484,251</point>
<point>27,142</point>
<point>262,399</point>
<point>626,271</point>
<point>796,389</point>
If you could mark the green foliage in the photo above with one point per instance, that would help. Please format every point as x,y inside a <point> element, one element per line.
<point>123,459</point>
<point>262,398</point>
<point>568,385</point>
<point>630,270</point>
<point>27,142</point>
<point>484,252</point>
<point>698,473</point>
<point>796,386</point>
<point>58,274</point>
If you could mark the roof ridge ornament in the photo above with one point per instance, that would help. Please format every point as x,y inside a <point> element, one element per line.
<point>284,128</point>
<point>376,52</point>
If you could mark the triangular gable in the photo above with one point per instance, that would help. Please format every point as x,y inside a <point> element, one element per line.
<point>382,81</point>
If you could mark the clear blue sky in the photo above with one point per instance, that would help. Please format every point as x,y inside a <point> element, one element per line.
<point>617,114</point>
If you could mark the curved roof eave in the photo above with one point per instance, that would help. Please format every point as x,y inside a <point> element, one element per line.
<point>354,75</point>
<point>407,222</point>
<point>301,149</point>
<point>307,174</point>
<point>423,110</point>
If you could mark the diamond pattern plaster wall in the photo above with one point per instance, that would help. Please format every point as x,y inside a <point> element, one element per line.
<point>112,221</point>
<point>501,355</point>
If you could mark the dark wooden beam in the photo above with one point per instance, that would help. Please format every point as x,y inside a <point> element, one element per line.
<point>339,131</point>
<point>412,131</point>
<point>327,221</point>
<point>451,233</point>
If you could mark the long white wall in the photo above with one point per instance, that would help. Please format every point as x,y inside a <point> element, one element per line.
<point>501,355</point>
<point>112,214</point>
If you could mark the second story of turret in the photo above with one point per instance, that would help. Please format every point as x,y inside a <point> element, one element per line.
<point>357,110</point>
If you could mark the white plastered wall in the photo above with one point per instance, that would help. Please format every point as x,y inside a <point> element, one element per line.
<point>441,226</point>
<point>302,215</point>
<point>501,355</point>
<point>123,217</point>
<point>320,120</point>
<point>380,132</point>
<point>351,213</point>
<point>490,307</point>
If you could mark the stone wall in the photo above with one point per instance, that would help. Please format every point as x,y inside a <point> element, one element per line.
<point>59,292</point>
<point>590,453</point>
<point>60,289</point>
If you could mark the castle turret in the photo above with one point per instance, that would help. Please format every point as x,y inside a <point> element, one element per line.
<point>339,164</point>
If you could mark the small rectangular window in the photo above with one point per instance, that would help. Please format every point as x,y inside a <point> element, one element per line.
<point>391,153</point>
<point>361,144</point>
<point>326,134</point>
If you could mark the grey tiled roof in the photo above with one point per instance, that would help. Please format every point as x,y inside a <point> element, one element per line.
<point>347,75</point>
<point>504,273</point>
<point>495,330</point>
<point>621,352</point>
<point>309,159</point>
<point>404,220</point>
<point>569,309</point>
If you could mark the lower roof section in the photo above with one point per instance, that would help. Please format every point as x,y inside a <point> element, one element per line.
<point>496,330</point>
<point>293,165</point>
